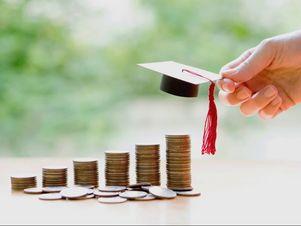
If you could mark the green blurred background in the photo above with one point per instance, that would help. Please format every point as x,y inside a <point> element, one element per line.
<point>69,84</point>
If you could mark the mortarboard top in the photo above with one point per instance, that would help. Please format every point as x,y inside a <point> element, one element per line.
<point>178,82</point>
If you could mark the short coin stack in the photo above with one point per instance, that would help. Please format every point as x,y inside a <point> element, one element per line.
<point>21,182</point>
<point>117,168</point>
<point>86,172</point>
<point>148,163</point>
<point>55,176</point>
<point>178,162</point>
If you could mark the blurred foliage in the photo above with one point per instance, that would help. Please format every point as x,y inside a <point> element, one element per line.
<point>58,94</point>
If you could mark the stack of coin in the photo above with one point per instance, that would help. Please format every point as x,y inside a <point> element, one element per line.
<point>178,162</point>
<point>148,163</point>
<point>86,172</point>
<point>55,176</point>
<point>117,168</point>
<point>21,182</point>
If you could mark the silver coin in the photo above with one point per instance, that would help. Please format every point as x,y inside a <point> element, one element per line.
<point>105,194</point>
<point>133,194</point>
<point>112,188</point>
<point>148,197</point>
<point>112,200</point>
<point>50,196</point>
<point>74,193</point>
<point>145,188</point>
<point>33,191</point>
<point>53,189</point>
<point>188,193</point>
<point>163,193</point>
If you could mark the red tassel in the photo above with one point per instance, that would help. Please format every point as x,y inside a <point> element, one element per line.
<point>210,127</point>
<point>209,135</point>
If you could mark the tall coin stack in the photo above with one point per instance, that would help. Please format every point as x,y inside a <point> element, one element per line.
<point>178,162</point>
<point>117,168</point>
<point>22,182</point>
<point>55,176</point>
<point>148,164</point>
<point>86,172</point>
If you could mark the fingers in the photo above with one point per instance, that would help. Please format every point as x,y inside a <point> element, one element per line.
<point>246,67</point>
<point>226,85</point>
<point>241,94</point>
<point>259,101</point>
<point>272,109</point>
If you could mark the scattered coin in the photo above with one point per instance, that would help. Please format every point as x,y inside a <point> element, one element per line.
<point>112,200</point>
<point>148,197</point>
<point>133,194</point>
<point>139,185</point>
<point>145,188</point>
<point>74,193</point>
<point>112,188</point>
<point>181,189</point>
<point>50,196</point>
<point>105,194</point>
<point>160,192</point>
<point>33,191</point>
<point>53,189</point>
<point>188,193</point>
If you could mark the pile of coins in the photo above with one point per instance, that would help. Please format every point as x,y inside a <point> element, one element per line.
<point>54,176</point>
<point>178,162</point>
<point>111,194</point>
<point>117,168</point>
<point>21,182</point>
<point>148,164</point>
<point>86,172</point>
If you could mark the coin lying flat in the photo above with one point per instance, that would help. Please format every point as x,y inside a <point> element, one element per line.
<point>105,194</point>
<point>164,193</point>
<point>50,196</point>
<point>181,189</point>
<point>133,194</point>
<point>188,193</point>
<point>53,189</point>
<point>74,193</point>
<point>33,191</point>
<point>112,188</point>
<point>139,185</point>
<point>145,188</point>
<point>148,197</point>
<point>112,200</point>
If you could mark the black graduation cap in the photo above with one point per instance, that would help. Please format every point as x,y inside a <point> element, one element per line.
<point>179,79</point>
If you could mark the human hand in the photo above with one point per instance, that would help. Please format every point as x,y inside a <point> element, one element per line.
<point>265,79</point>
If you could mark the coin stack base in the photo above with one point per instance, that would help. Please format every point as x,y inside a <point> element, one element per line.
<point>86,172</point>
<point>178,162</point>
<point>55,176</point>
<point>117,168</point>
<point>21,182</point>
<point>148,164</point>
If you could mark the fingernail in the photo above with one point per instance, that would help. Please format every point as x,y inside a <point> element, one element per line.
<point>270,92</point>
<point>225,88</point>
<point>243,94</point>
<point>265,116</point>
<point>231,71</point>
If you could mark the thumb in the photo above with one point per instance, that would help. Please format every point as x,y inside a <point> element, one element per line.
<point>254,64</point>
